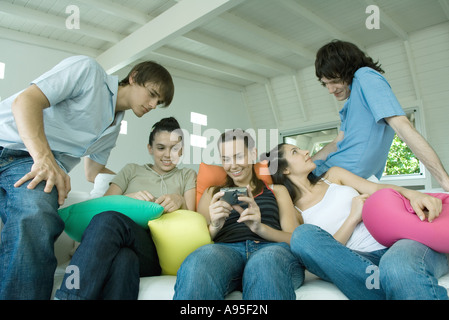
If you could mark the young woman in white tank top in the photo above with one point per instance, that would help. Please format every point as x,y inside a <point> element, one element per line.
<point>334,202</point>
<point>334,243</point>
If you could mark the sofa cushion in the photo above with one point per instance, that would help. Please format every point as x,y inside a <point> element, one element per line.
<point>176,235</point>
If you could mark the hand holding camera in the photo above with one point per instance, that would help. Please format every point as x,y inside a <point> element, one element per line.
<point>231,195</point>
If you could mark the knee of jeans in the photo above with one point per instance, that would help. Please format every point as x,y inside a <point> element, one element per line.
<point>199,259</point>
<point>269,260</point>
<point>125,262</point>
<point>107,218</point>
<point>195,270</point>
<point>39,224</point>
<point>304,237</point>
<point>392,271</point>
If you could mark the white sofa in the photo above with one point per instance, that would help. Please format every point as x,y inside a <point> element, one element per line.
<point>162,287</point>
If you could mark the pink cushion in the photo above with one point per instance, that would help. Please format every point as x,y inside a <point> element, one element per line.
<point>389,217</point>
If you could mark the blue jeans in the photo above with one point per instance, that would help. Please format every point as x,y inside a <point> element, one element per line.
<point>261,270</point>
<point>113,254</point>
<point>407,270</point>
<point>31,226</point>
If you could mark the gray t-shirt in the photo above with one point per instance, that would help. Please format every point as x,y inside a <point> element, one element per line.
<point>133,178</point>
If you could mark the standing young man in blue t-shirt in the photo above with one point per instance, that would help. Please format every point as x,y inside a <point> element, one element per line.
<point>72,111</point>
<point>369,119</point>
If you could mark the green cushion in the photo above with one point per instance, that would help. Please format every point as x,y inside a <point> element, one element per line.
<point>77,216</point>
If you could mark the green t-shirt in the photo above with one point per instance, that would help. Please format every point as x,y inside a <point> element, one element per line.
<point>133,178</point>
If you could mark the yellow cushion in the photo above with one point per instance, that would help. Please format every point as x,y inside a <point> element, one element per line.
<point>176,235</point>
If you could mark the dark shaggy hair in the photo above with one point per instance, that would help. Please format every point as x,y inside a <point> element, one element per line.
<point>340,60</point>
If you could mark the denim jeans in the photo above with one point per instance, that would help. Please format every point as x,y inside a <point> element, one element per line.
<point>113,254</point>
<point>261,270</point>
<point>407,270</point>
<point>31,226</point>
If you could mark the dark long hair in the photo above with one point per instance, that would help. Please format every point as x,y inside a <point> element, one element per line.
<point>276,166</point>
<point>340,60</point>
<point>238,134</point>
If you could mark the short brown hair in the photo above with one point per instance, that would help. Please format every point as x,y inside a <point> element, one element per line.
<point>150,71</point>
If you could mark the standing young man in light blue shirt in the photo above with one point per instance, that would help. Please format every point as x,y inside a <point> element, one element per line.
<point>72,111</point>
<point>369,119</point>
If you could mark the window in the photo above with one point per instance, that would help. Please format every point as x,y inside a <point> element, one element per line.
<point>2,73</point>
<point>313,141</point>
<point>403,167</point>
<point>2,70</point>
<point>124,127</point>
<point>401,160</point>
<point>196,139</point>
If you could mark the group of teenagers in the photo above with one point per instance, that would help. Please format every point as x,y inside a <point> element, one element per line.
<point>320,213</point>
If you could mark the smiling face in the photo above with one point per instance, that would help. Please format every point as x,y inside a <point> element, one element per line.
<point>299,161</point>
<point>336,87</point>
<point>166,150</point>
<point>237,161</point>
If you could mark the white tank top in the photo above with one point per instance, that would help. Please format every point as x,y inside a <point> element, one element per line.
<point>331,212</point>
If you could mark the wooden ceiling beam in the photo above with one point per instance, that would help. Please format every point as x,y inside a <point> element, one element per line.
<point>174,22</point>
<point>233,50</point>
<point>210,65</point>
<point>118,10</point>
<point>46,19</point>
<point>270,36</point>
<point>47,43</point>
<point>305,13</point>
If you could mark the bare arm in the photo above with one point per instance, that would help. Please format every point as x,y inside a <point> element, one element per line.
<point>214,210</point>
<point>28,109</point>
<point>355,217</point>
<point>92,169</point>
<point>287,217</point>
<point>190,199</point>
<point>172,202</point>
<point>421,148</point>
<point>421,202</point>
<point>329,148</point>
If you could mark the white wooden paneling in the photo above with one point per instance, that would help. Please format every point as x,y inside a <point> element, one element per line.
<point>431,49</point>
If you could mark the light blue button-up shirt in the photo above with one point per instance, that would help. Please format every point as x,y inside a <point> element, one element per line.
<point>81,120</point>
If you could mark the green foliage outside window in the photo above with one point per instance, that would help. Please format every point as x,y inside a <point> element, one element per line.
<point>401,160</point>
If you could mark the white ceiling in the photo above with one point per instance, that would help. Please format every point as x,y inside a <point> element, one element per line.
<point>229,43</point>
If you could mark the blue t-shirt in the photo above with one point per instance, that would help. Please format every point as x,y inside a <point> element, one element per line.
<point>367,136</point>
<point>81,120</point>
